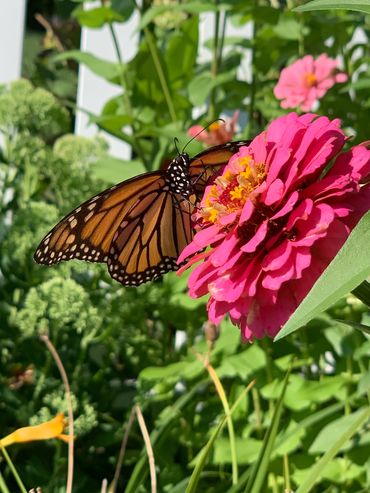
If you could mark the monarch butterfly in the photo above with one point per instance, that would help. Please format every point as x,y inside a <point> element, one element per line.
<point>139,226</point>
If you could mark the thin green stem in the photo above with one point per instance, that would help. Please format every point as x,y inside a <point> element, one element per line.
<point>268,367</point>
<point>222,395</point>
<point>13,470</point>
<point>301,51</point>
<point>286,473</point>
<point>157,63</point>
<point>257,411</point>
<point>160,72</point>
<point>222,38</point>
<point>214,67</point>
<point>249,127</point>
<point>126,98</point>
<point>3,486</point>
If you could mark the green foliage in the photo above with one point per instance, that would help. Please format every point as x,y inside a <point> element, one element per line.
<point>85,416</point>
<point>56,305</point>
<point>363,6</point>
<point>21,102</point>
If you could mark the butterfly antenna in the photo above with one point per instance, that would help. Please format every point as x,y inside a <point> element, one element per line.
<point>203,129</point>
<point>176,142</point>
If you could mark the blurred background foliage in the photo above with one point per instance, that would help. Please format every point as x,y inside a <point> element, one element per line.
<point>122,345</point>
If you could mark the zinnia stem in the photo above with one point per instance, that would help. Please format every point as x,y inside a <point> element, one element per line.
<point>248,129</point>
<point>125,95</point>
<point>214,66</point>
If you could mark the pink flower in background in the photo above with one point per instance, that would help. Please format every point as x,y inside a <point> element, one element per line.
<point>219,132</point>
<point>274,221</point>
<point>307,80</point>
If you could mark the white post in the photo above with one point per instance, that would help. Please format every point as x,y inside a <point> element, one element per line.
<point>11,39</point>
<point>93,91</point>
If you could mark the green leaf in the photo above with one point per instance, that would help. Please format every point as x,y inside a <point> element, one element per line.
<point>246,455</point>
<point>288,28</point>
<point>259,470</point>
<point>356,85</point>
<point>107,70</point>
<point>182,45</point>
<point>340,471</point>
<point>242,363</point>
<point>305,424</point>
<point>302,393</point>
<point>203,455</point>
<point>96,18</point>
<point>113,124</point>
<point>114,170</point>
<point>364,383</point>
<point>181,369</point>
<point>349,426</point>
<point>201,86</point>
<point>362,6</point>
<point>348,269</point>
<point>329,434</point>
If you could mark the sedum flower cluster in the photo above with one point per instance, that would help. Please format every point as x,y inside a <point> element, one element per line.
<point>24,108</point>
<point>57,305</point>
<point>85,416</point>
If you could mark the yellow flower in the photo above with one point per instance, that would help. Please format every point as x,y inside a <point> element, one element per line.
<point>44,431</point>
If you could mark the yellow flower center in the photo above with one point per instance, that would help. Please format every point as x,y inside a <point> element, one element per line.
<point>231,190</point>
<point>310,79</point>
<point>214,126</point>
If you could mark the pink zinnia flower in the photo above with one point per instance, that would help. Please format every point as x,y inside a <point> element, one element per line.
<point>274,219</point>
<point>219,132</point>
<point>306,80</point>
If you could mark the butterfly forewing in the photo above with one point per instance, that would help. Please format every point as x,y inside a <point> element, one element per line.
<point>205,164</point>
<point>87,232</point>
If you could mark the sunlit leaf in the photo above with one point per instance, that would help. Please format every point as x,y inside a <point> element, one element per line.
<point>341,432</point>
<point>97,17</point>
<point>107,70</point>
<point>362,6</point>
<point>114,170</point>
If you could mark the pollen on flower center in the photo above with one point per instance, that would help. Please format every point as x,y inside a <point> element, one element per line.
<point>231,190</point>
<point>310,79</point>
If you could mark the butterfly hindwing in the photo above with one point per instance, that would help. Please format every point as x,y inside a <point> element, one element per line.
<point>149,240</point>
